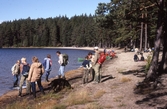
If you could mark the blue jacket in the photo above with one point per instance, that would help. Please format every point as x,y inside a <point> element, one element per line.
<point>47,64</point>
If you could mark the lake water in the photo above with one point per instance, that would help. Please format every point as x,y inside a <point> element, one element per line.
<point>8,57</point>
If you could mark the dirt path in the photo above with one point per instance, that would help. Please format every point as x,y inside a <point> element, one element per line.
<point>118,82</point>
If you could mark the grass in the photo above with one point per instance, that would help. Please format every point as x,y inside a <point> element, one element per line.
<point>118,99</point>
<point>48,101</point>
<point>121,105</point>
<point>99,93</point>
<point>93,106</point>
<point>19,105</point>
<point>125,79</point>
<point>78,97</point>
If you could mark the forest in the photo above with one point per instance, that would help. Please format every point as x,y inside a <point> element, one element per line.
<point>130,23</point>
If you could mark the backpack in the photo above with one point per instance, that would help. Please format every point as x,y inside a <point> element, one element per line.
<point>65,59</point>
<point>25,71</point>
<point>13,68</point>
<point>101,59</point>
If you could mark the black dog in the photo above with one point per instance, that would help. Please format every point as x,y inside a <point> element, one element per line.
<point>59,84</point>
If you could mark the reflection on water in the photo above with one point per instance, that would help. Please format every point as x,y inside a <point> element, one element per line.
<point>8,57</point>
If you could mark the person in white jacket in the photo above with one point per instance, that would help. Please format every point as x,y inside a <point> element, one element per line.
<point>62,66</point>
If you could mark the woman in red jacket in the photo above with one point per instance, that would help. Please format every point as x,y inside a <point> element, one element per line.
<point>35,74</point>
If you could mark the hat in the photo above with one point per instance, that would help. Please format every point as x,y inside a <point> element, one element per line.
<point>95,48</point>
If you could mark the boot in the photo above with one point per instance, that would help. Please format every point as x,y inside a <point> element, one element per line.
<point>47,79</point>
<point>34,94</point>
<point>43,92</point>
<point>59,76</point>
<point>19,94</point>
<point>14,85</point>
<point>86,80</point>
<point>63,77</point>
<point>83,80</point>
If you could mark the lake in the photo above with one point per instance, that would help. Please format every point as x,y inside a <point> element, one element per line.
<point>9,56</point>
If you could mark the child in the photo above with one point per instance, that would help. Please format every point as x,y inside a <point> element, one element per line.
<point>86,64</point>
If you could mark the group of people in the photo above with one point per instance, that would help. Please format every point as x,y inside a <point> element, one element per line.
<point>92,65</point>
<point>31,74</point>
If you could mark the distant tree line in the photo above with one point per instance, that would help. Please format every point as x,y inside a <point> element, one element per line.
<point>53,32</point>
<point>119,22</point>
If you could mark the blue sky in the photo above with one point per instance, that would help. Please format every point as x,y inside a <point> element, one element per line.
<point>21,9</point>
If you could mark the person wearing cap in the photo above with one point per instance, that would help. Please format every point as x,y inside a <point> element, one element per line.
<point>23,67</point>
<point>96,66</point>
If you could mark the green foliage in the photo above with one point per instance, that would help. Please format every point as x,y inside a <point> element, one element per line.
<point>149,58</point>
<point>123,18</point>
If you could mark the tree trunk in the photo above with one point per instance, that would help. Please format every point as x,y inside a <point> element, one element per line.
<point>141,34</point>
<point>152,73</point>
<point>163,64</point>
<point>145,44</point>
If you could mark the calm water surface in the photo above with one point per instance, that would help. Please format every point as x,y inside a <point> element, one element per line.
<point>8,57</point>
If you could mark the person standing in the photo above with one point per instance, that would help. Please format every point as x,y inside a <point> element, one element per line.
<point>62,65</point>
<point>24,69</point>
<point>91,71</point>
<point>16,71</point>
<point>96,66</point>
<point>87,66</point>
<point>35,74</point>
<point>47,66</point>
<point>105,51</point>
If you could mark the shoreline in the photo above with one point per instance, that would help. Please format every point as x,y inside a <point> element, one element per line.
<point>8,93</point>
<point>119,78</point>
<point>83,48</point>
<point>77,48</point>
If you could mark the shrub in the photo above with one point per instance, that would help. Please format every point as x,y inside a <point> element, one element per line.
<point>149,58</point>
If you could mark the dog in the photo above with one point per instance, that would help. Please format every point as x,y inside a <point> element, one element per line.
<point>59,84</point>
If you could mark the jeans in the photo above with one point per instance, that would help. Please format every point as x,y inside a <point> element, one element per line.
<point>47,74</point>
<point>61,71</point>
<point>15,80</point>
<point>97,69</point>
<point>33,85</point>
<point>22,79</point>
<point>85,76</point>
